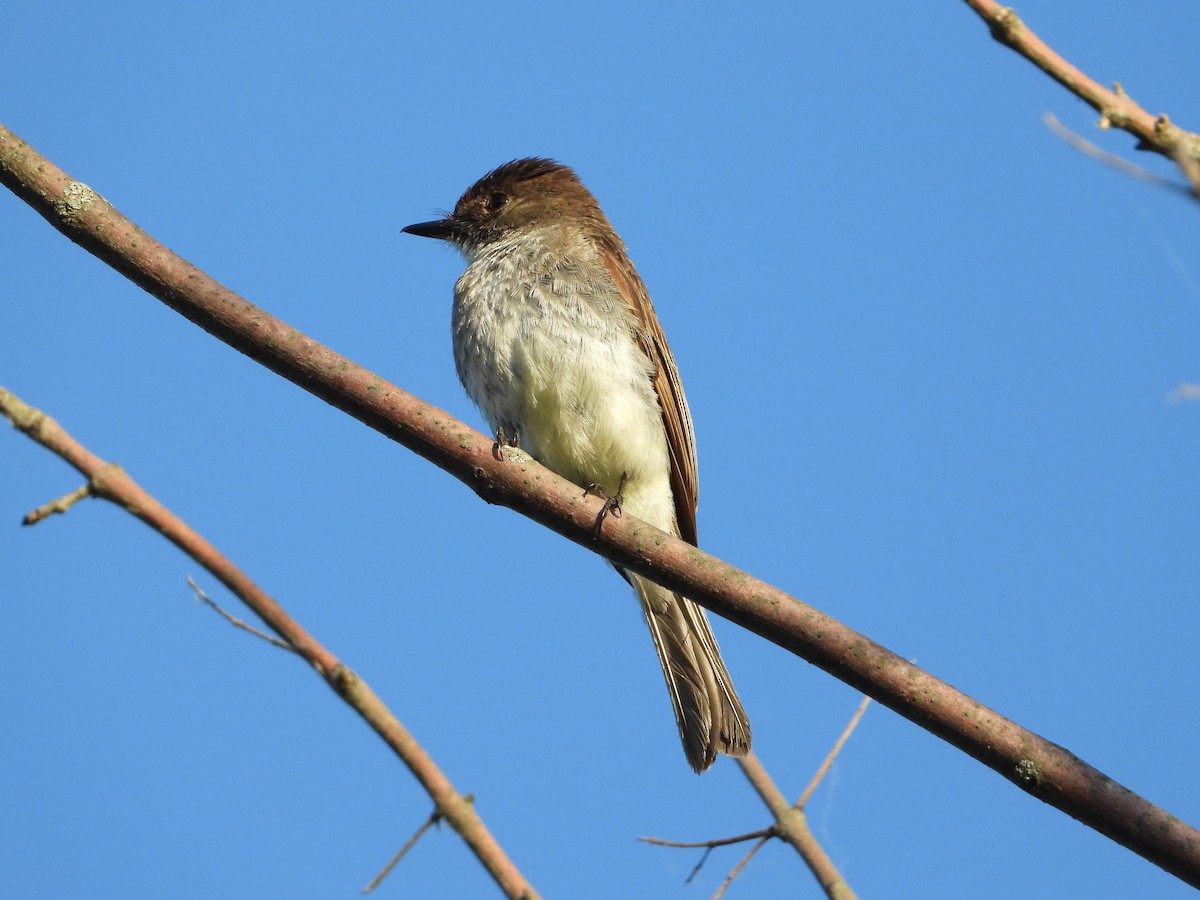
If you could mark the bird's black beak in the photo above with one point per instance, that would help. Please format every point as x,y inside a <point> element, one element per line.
<point>442,229</point>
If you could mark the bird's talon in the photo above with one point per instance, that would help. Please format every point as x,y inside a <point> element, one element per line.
<point>611,504</point>
<point>503,443</point>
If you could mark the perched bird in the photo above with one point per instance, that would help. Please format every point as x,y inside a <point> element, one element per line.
<point>556,341</point>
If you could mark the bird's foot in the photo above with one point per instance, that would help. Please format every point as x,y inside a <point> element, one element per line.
<point>611,504</point>
<point>504,449</point>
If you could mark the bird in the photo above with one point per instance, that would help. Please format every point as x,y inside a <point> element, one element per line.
<point>556,341</point>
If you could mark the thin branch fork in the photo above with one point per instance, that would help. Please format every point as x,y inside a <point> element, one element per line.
<point>760,837</point>
<point>1038,766</point>
<point>715,842</point>
<point>434,818</point>
<point>112,483</point>
<point>790,823</point>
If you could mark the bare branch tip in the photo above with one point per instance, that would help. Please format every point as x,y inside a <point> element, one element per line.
<point>61,505</point>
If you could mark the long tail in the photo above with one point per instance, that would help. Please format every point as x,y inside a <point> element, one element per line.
<point>707,710</point>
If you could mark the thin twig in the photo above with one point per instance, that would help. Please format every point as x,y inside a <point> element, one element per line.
<point>715,842</point>
<point>822,867</point>
<point>762,835</point>
<point>110,482</point>
<point>832,755</point>
<point>1117,109</point>
<point>433,819</point>
<point>698,866</point>
<point>737,870</point>
<point>1083,145</point>
<point>791,825</point>
<point>235,621</point>
<point>61,505</point>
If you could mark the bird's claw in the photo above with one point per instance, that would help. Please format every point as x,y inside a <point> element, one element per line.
<point>611,504</point>
<point>503,444</point>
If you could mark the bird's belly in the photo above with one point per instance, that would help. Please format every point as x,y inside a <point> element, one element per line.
<point>590,412</point>
<point>587,410</point>
<point>561,367</point>
<point>587,421</point>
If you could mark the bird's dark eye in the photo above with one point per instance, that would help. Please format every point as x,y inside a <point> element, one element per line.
<point>497,200</point>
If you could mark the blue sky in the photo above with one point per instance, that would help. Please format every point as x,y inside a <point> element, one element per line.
<point>929,351</point>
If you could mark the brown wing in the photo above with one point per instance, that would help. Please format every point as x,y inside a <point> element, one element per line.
<point>681,439</point>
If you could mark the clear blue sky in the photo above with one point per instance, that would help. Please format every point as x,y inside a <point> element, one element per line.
<point>929,351</point>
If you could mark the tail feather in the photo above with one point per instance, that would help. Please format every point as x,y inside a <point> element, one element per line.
<point>707,709</point>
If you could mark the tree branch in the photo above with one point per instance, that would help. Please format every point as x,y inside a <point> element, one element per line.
<point>1122,165</point>
<point>792,826</point>
<point>1117,109</point>
<point>1036,765</point>
<point>110,482</point>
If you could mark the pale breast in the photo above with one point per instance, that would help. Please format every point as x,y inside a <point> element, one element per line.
<point>544,344</point>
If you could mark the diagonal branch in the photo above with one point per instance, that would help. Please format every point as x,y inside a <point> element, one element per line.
<point>111,483</point>
<point>1117,109</point>
<point>792,826</point>
<point>1036,765</point>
